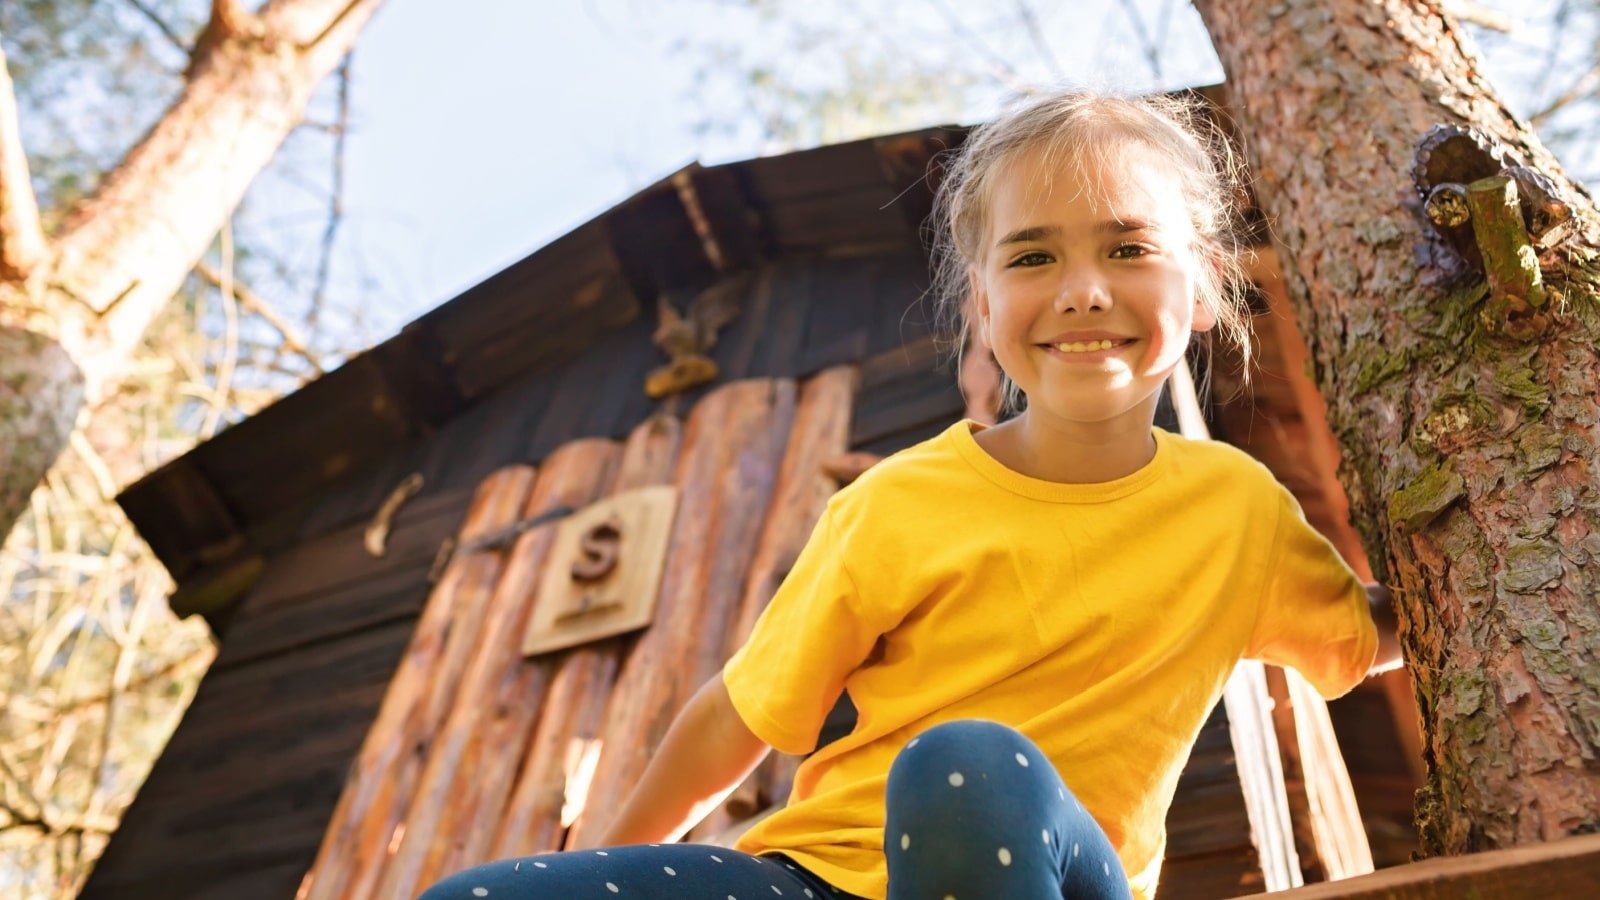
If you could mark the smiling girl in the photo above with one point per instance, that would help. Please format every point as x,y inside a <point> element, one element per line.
<point>1033,619</point>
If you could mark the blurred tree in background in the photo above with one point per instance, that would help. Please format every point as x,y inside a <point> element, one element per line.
<point>176,318</point>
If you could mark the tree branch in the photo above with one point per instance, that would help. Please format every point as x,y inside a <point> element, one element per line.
<point>335,200</point>
<point>161,26</point>
<point>22,243</point>
<point>253,302</point>
<point>136,238</point>
<point>1480,15</point>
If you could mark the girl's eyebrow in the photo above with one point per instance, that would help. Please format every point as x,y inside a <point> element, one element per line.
<point>1040,232</point>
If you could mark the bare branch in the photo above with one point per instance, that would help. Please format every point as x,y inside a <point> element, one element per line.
<point>22,243</point>
<point>1151,48</point>
<point>161,25</point>
<point>1030,24</point>
<point>335,199</point>
<point>229,18</point>
<point>253,302</point>
<point>1481,15</point>
<point>1004,71</point>
<point>230,340</point>
<point>1585,85</point>
<point>332,24</point>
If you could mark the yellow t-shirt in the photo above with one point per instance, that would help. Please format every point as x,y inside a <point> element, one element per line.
<point>1100,620</point>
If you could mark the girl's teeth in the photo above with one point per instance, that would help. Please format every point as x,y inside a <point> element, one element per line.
<point>1084,346</point>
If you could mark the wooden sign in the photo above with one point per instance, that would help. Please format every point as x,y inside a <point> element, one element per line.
<point>604,570</point>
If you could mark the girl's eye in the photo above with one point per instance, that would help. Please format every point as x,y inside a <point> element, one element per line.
<point>1130,251</point>
<point>1028,260</point>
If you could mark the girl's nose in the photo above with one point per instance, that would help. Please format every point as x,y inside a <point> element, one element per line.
<point>1082,294</point>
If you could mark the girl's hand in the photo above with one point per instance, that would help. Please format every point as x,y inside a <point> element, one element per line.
<point>1382,604</point>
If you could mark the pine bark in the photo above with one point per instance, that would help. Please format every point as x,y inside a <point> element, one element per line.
<point>1469,454</point>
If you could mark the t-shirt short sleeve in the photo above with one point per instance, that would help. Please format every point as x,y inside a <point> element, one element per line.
<point>1314,614</point>
<point>791,671</point>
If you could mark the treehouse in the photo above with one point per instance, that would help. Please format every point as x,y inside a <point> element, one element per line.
<point>462,584</point>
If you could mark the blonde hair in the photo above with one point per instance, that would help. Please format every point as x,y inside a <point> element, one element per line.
<point>1087,129</point>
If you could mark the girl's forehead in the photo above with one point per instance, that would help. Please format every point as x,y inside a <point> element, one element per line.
<point>1127,183</point>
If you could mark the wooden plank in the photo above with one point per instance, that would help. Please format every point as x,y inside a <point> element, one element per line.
<point>894,400</point>
<point>1565,868</point>
<point>656,244</point>
<point>823,170</point>
<point>861,219</point>
<point>205,770</point>
<point>472,756</point>
<point>733,445</point>
<point>179,513</point>
<point>319,617</point>
<point>552,785</point>
<point>841,307</point>
<point>561,328</point>
<point>340,559</point>
<point>303,443</point>
<point>377,792</point>
<point>537,287</point>
<point>821,430</point>
<point>735,223</point>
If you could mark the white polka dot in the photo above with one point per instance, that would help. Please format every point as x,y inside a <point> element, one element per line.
<point>775,890</point>
<point>655,845</point>
<point>905,842</point>
<point>1074,850</point>
<point>613,888</point>
<point>1062,792</point>
<point>1005,857</point>
<point>480,892</point>
<point>540,866</point>
<point>517,867</point>
<point>1022,760</point>
<point>956,779</point>
<point>808,893</point>
<point>1106,868</point>
<point>601,853</point>
<point>716,858</point>
<point>1045,835</point>
<point>913,743</point>
<point>668,870</point>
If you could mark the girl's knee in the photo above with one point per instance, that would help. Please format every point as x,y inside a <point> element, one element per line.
<point>965,738</point>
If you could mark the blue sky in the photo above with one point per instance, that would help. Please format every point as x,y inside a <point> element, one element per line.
<point>479,137</point>
<point>483,130</point>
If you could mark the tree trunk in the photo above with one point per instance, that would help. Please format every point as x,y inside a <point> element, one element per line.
<point>40,392</point>
<point>1465,406</point>
<point>120,255</point>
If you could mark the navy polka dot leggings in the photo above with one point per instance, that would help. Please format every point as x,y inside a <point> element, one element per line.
<point>974,811</point>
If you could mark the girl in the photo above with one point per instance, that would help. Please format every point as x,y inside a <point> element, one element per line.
<point>1033,619</point>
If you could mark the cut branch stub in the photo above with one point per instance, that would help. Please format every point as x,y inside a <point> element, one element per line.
<point>1516,288</point>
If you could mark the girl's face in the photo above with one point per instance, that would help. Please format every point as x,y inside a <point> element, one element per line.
<point>1086,287</point>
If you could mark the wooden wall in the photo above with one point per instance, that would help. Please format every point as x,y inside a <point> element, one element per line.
<point>237,804</point>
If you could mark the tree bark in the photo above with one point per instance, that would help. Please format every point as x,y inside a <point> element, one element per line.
<point>93,287</point>
<point>40,392</point>
<point>1466,412</point>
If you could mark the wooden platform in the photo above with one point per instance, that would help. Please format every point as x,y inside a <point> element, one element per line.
<point>1561,870</point>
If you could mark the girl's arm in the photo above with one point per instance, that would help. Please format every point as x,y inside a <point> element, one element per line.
<point>1383,615</point>
<point>707,752</point>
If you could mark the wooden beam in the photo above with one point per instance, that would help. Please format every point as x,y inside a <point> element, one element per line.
<point>1564,868</point>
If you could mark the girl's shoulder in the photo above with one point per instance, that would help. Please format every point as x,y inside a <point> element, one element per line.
<point>1222,464</point>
